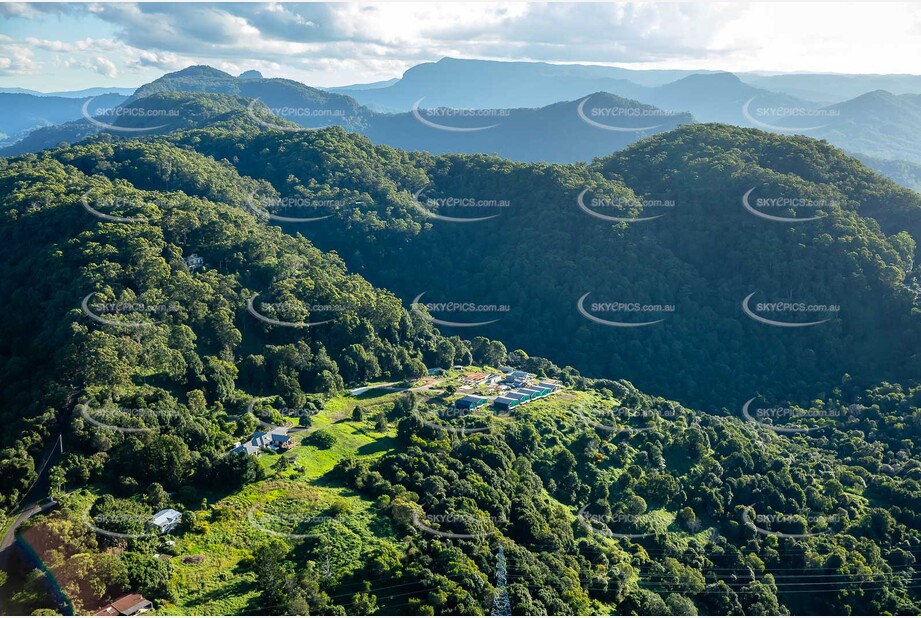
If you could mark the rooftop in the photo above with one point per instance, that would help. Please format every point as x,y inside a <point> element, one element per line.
<point>166,516</point>
<point>125,605</point>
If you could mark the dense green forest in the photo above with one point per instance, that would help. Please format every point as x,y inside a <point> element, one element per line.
<point>668,508</point>
<point>704,254</point>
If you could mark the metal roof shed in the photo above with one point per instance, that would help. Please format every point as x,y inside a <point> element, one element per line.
<point>471,402</point>
<point>505,403</point>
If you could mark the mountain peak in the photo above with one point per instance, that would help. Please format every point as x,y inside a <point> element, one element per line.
<point>876,95</point>
<point>711,79</point>
<point>200,70</point>
<point>251,74</point>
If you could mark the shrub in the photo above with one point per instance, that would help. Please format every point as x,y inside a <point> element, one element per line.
<point>323,439</point>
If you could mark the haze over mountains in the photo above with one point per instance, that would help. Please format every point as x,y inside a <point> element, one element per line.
<point>72,94</point>
<point>22,113</point>
<point>565,129</point>
<point>517,101</point>
<point>458,82</point>
<point>177,208</point>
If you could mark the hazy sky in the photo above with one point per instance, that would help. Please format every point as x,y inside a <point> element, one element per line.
<point>68,46</point>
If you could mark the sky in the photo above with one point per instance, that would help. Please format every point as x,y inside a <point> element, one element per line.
<point>56,46</point>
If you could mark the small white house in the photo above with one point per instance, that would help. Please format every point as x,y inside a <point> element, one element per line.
<point>273,440</point>
<point>194,261</point>
<point>166,520</point>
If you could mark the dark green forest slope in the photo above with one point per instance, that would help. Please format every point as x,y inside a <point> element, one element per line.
<point>602,499</point>
<point>532,247</point>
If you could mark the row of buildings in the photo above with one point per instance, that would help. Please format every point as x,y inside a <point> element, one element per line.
<point>509,400</point>
<point>515,398</point>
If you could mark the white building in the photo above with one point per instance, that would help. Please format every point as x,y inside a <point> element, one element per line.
<point>166,520</point>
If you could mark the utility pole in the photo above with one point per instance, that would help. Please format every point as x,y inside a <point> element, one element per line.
<point>327,570</point>
<point>501,606</point>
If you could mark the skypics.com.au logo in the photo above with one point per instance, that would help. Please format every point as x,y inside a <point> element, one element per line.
<point>642,416</point>
<point>619,204</point>
<point>786,308</point>
<point>775,118</point>
<point>270,207</point>
<point>257,111</point>
<point>455,307</point>
<point>759,416</point>
<point>602,524</point>
<point>99,311</point>
<point>441,419</point>
<point>806,522</point>
<point>430,206</point>
<point>425,116</point>
<point>120,525</point>
<point>447,525</point>
<point>285,411</point>
<point>104,117</point>
<point>618,118</point>
<point>98,208</point>
<point>290,524</point>
<point>621,307</point>
<point>287,307</point>
<point>761,204</point>
<point>126,420</point>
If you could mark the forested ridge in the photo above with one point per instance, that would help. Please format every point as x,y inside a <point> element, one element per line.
<point>595,512</point>
<point>704,254</point>
<point>565,129</point>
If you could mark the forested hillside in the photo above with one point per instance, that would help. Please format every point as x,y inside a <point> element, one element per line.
<point>162,301</point>
<point>187,338</point>
<point>536,250</point>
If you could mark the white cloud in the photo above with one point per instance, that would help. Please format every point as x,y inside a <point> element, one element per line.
<point>16,59</point>
<point>369,38</point>
<point>325,44</point>
<point>103,67</point>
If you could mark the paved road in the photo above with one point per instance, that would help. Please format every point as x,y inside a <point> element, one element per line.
<point>390,388</point>
<point>28,511</point>
<point>6,544</point>
<point>10,535</point>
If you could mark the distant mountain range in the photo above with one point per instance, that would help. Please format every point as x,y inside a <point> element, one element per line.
<point>562,132</point>
<point>828,88</point>
<point>903,172</point>
<point>456,82</point>
<point>368,86</point>
<point>878,123</point>
<point>477,84</point>
<point>156,114</point>
<point>22,113</point>
<point>71,94</point>
<point>535,111</point>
